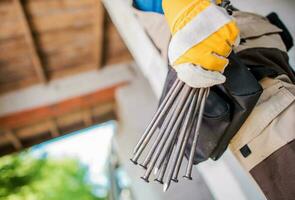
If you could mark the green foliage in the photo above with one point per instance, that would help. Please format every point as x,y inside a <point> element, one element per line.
<point>23,177</point>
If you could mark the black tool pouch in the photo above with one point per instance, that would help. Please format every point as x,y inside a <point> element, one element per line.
<point>227,107</point>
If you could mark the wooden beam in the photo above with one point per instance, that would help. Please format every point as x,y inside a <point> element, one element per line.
<point>70,118</point>
<point>87,117</point>
<point>28,117</point>
<point>103,109</point>
<point>115,50</point>
<point>54,128</point>
<point>30,40</point>
<point>99,29</point>
<point>62,89</point>
<point>13,139</point>
<point>17,85</point>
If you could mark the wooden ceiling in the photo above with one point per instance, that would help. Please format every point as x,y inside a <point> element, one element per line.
<point>41,40</point>
<point>26,128</point>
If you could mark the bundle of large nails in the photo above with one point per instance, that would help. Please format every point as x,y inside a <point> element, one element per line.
<point>181,106</point>
<point>199,58</point>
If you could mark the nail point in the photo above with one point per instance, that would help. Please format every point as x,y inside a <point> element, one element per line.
<point>165,188</point>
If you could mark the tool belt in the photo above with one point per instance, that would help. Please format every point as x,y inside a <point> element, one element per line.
<point>265,144</point>
<point>261,54</point>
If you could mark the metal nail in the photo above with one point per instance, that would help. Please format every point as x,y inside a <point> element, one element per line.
<point>148,134</point>
<point>189,120</point>
<point>165,105</point>
<point>159,137</point>
<point>191,100</point>
<point>163,168</point>
<point>188,173</point>
<point>159,110</point>
<point>176,126</point>
<point>168,131</point>
<point>174,129</point>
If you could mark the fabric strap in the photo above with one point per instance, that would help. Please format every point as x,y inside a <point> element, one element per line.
<point>198,29</point>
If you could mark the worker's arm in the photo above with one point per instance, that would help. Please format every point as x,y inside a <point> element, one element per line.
<point>149,5</point>
<point>203,35</point>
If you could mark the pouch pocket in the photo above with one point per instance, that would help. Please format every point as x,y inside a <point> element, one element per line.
<point>259,131</point>
<point>216,120</point>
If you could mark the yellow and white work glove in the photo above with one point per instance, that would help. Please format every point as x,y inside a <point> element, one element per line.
<point>203,35</point>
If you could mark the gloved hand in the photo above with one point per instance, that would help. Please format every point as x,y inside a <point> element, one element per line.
<point>203,35</point>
